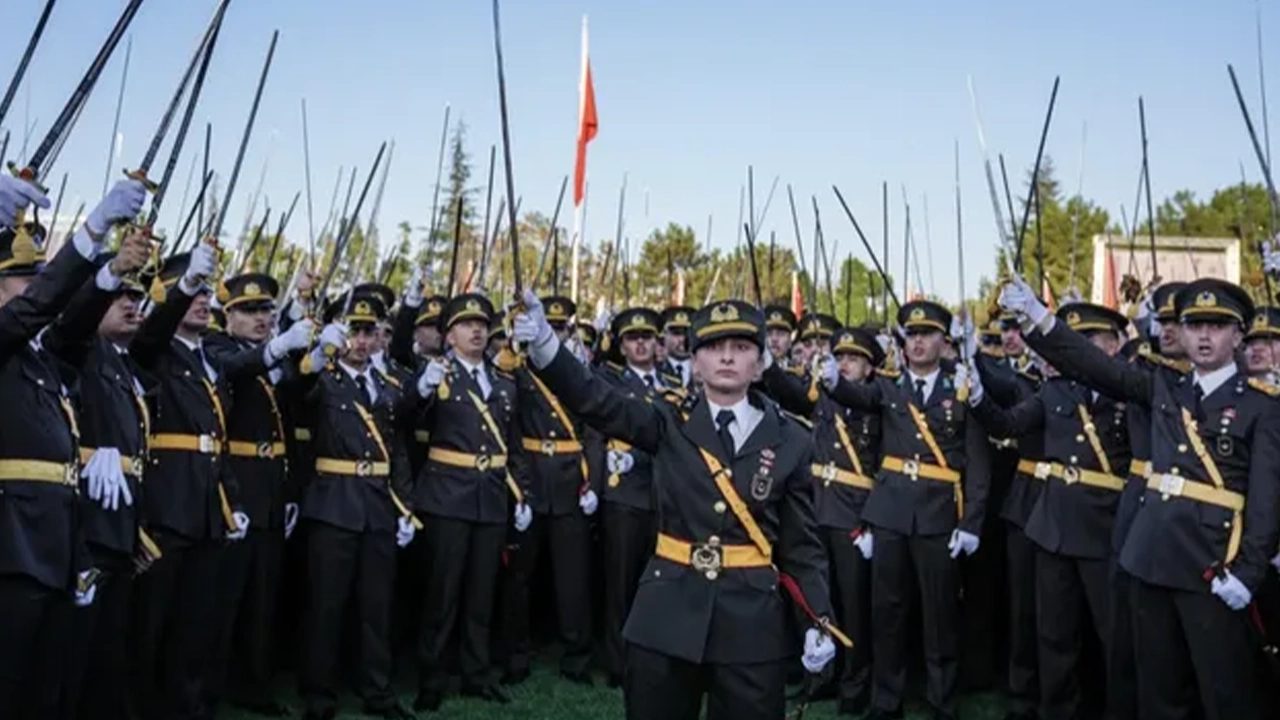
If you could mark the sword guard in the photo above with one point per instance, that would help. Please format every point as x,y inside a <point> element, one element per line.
<point>28,174</point>
<point>141,176</point>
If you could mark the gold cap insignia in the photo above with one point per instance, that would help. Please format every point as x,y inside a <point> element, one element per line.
<point>473,306</point>
<point>636,320</point>
<point>363,308</point>
<point>433,307</point>
<point>252,289</point>
<point>556,308</point>
<point>917,314</point>
<point>724,312</point>
<point>1073,319</point>
<point>682,318</point>
<point>775,316</point>
<point>1260,321</point>
<point>1206,299</point>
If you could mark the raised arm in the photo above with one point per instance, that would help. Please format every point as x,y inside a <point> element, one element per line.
<point>791,391</point>
<point>1027,416</point>
<point>599,404</point>
<point>1078,359</point>
<point>23,317</point>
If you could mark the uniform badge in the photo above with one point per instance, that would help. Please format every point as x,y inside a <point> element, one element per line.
<point>1226,446</point>
<point>946,404</point>
<point>761,484</point>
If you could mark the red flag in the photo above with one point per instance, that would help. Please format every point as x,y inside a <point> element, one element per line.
<point>1046,293</point>
<point>588,122</point>
<point>797,300</point>
<point>1109,280</point>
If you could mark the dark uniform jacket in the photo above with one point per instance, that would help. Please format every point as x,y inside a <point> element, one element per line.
<point>256,430</point>
<point>345,428</point>
<point>1174,540</point>
<point>38,519</point>
<point>737,615</point>
<point>633,488</point>
<point>1007,386</point>
<point>112,412</point>
<point>839,504</point>
<point>923,506</point>
<point>557,478</point>
<point>1069,518</point>
<point>191,494</point>
<point>475,494</point>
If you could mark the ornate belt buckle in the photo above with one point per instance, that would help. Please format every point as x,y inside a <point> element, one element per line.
<point>483,462</point>
<point>829,472</point>
<point>265,450</point>
<point>70,475</point>
<point>912,468</point>
<point>549,447</point>
<point>1171,485</point>
<point>1071,475</point>
<point>206,444</point>
<point>707,558</point>
<point>364,468</point>
<point>133,466</point>
<point>1043,470</point>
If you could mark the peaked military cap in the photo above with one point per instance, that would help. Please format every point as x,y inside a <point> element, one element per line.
<point>990,333</point>
<point>679,317</point>
<point>1162,299</point>
<point>1265,325</point>
<point>429,313</point>
<point>384,293</point>
<point>779,317</point>
<point>1087,317</point>
<point>1213,300</point>
<point>588,335</point>
<point>251,291</point>
<point>1009,321</point>
<point>468,306</point>
<point>924,315</point>
<point>818,325</point>
<point>725,319</point>
<point>22,251</point>
<point>558,308</point>
<point>634,320</point>
<point>366,309</point>
<point>858,341</point>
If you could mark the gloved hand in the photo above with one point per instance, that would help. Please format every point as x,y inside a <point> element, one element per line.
<point>866,543</point>
<point>1018,297</point>
<point>818,650</point>
<point>431,377</point>
<point>204,262</point>
<point>122,204</point>
<point>962,541</point>
<point>619,462</point>
<point>86,587</point>
<point>830,370</point>
<point>404,531</point>
<point>603,318</point>
<point>588,502</point>
<point>334,335</point>
<point>297,337</point>
<point>15,195</point>
<point>1271,257</point>
<point>969,339</point>
<point>107,483</point>
<point>242,526</point>
<point>523,517</point>
<point>532,330</point>
<point>290,519</point>
<point>966,374</point>
<point>1275,562</point>
<point>1231,591</point>
<point>413,288</point>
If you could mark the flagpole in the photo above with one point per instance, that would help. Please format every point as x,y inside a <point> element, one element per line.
<point>579,204</point>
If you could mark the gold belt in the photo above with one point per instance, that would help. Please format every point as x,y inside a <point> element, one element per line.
<point>302,434</point>
<point>711,556</point>
<point>1177,486</point>
<point>454,458</point>
<point>128,465</point>
<point>248,449</point>
<point>358,468</point>
<point>829,473</point>
<point>1140,468</point>
<point>552,447</point>
<point>39,471</point>
<point>203,444</point>
<point>916,469</point>
<point>1070,474</point>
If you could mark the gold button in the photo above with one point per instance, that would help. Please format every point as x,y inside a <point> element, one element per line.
<point>1175,471</point>
<point>720,507</point>
<point>1182,448</point>
<point>1079,438</point>
<point>712,574</point>
<point>714,541</point>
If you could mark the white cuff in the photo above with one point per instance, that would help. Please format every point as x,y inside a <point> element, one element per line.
<point>1046,323</point>
<point>541,354</point>
<point>85,245</point>
<point>297,310</point>
<point>189,289</point>
<point>105,280</point>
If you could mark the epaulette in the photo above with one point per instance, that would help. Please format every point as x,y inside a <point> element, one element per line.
<point>686,403</point>
<point>616,367</point>
<point>504,374</point>
<point>891,374</point>
<point>508,361</point>
<point>675,396</point>
<point>1033,377</point>
<point>673,380</point>
<point>995,352</point>
<point>1181,366</point>
<point>804,422</point>
<point>1264,387</point>
<point>392,381</point>
<point>797,370</point>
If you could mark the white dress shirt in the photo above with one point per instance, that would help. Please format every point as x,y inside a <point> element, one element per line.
<point>929,381</point>
<point>684,368</point>
<point>1214,380</point>
<point>477,372</point>
<point>745,419</point>
<point>650,373</point>
<point>198,348</point>
<point>367,374</point>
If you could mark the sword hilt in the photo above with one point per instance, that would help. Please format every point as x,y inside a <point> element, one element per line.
<point>29,174</point>
<point>141,176</point>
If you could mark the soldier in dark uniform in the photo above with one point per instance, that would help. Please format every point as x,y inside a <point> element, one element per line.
<point>252,362</point>
<point>1207,522</point>
<point>927,507</point>
<point>846,459</point>
<point>474,483</point>
<point>780,324</point>
<point>708,619</point>
<point>1080,474</point>
<point>814,337</point>
<point>43,563</point>
<point>191,499</point>
<point>628,487</point>
<point>675,340</point>
<point>589,337</point>
<point>562,500</point>
<point>1262,345</point>
<point>357,506</point>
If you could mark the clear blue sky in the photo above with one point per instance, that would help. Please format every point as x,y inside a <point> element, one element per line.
<point>689,94</point>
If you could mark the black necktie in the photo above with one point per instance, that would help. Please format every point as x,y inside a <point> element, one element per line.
<point>648,380</point>
<point>1198,409</point>
<point>918,395</point>
<point>723,418</point>
<point>363,383</point>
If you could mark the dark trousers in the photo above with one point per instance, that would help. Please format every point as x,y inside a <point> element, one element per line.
<point>896,558</point>
<point>1024,679</point>
<point>1189,641</point>
<point>851,597</point>
<point>661,687</point>
<point>463,561</point>
<point>27,622</point>
<point>247,606</point>
<point>1071,602</point>
<point>628,544</point>
<point>343,565</point>
<point>566,540</point>
<point>173,628</point>
<point>91,659</point>
<point>1122,673</point>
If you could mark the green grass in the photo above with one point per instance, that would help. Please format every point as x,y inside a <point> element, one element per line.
<point>545,697</point>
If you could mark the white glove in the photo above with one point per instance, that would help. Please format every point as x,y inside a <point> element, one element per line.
<point>962,541</point>
<point>242,526</point>
<point>1018,297</point>
<point>603,318</point>
<point>297,337</point>
<point>413,288</point>
<point>966,374</point>
<point>290,519</point>
<point>107,482</point>
<point>431,377</point>
<point>204,262</point>
<point>334,335</point>
<point>830,370</point>
<point>969,341</point>
<point>1275,562</point>
<point>619,462</point>
<point>86,588</point>
<point>818,650</point>
<point>404,531</point>
<point>122,204</point>
<point>523,517</point>
<point>1231,591</point>
<point>866,543</point>
<point>15,195</point>
<point>532,330</point>
<point>588,502</point>
<point>1271,256</point>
